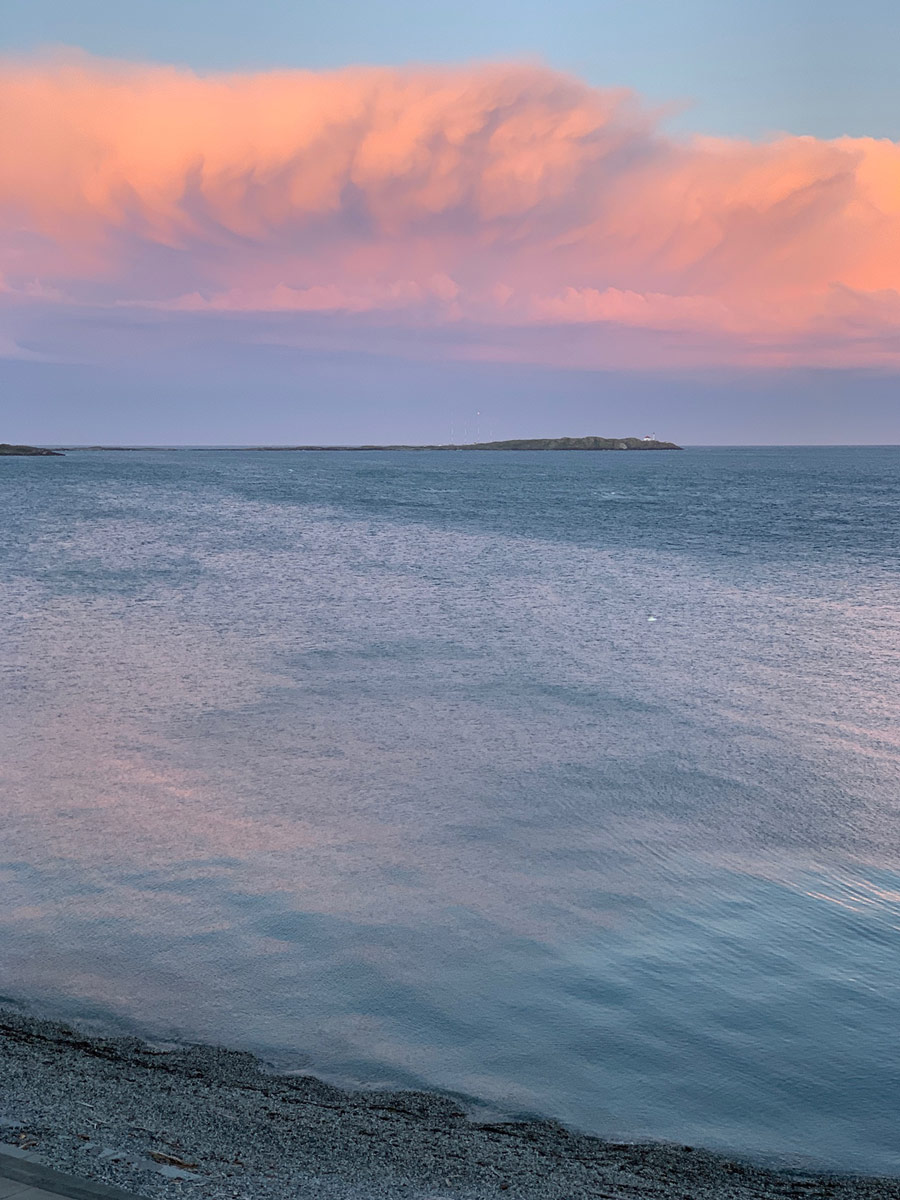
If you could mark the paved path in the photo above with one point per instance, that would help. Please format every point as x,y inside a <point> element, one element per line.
<point>22,1178</point>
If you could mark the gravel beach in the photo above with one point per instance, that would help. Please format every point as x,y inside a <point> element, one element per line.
<point>209,1122</point>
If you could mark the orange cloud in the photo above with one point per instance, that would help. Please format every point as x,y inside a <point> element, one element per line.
<point>497,198</point>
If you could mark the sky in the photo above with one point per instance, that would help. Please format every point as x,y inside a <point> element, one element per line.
<point>229,223</point>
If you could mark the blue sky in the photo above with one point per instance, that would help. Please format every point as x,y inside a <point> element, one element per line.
<point>823,67</point>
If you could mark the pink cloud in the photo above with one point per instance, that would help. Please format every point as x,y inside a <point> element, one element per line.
<point>496,198</point>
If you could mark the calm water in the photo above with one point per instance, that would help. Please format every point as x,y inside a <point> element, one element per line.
<point>567,781</point>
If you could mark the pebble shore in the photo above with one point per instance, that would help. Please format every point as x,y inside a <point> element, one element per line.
<point>204,1122</point>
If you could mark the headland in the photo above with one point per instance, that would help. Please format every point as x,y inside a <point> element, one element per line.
<point>29,451</point>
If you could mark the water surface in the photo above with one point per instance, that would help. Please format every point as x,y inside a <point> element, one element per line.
<point>568,781</point>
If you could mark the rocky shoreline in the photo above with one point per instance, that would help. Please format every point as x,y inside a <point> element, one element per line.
<point>209,1122</point>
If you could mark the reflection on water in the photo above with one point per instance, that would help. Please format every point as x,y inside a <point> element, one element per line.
<point>379,766</point>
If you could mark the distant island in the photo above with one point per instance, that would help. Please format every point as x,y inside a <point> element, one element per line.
<point>564,443</point>
<point>6,448</point>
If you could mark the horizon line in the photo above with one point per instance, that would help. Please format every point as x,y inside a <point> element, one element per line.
<point>310,447</point>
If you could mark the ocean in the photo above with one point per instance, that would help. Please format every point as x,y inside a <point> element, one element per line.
<point>569,782</point>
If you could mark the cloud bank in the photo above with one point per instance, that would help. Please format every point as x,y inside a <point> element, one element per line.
<point>495,211</point>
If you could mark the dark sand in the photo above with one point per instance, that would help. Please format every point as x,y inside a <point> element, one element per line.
<point>206,1122</point>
